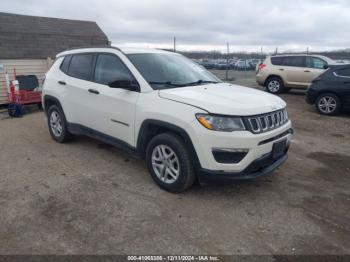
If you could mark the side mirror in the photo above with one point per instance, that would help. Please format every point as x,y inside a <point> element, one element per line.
<point>124,83</point>
<point>325,66</point>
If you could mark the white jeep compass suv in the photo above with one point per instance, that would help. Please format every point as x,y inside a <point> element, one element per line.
<point>184,121</point>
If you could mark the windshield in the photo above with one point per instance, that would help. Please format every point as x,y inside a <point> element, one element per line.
<point>163,71</point>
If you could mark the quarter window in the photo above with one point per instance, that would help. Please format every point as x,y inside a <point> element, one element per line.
<point>80,66</point>
<point>110,68</point>
<point>276,60</point>
<point>314,62</point>
<point>65,63</point>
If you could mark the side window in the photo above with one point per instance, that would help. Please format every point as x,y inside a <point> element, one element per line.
<point>344,72</point>
<point>295,61</point>
<point>314,62</point>
<point>110,68</point>
<point>80,66</point>
<point>65,64</point>
<point>276,60</point>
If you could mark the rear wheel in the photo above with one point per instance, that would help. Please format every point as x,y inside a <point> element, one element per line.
<point>169,163</point>
<point>275,85</point>
<point>58,125</point>
<point>328,104</point>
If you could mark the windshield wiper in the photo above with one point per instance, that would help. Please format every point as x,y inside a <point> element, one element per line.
<point>200,82</point>
<point>164,83</point>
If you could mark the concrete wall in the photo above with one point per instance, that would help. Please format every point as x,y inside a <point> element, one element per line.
<point>36,67</point>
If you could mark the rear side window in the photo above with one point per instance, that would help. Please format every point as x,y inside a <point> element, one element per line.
<point>276,60</point>
<point>344,72</point>
<point>296,61</point>
<point>65,64</point>
<point>110,68</point>
<point>80,66</point>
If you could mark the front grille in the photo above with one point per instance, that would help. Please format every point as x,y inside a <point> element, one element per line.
<point>266,122</point>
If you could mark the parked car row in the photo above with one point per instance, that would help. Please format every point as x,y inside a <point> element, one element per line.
<point>326,81</point>
<point>234,64</point>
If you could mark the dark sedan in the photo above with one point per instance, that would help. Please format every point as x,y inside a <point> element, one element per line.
<point>330,92</point>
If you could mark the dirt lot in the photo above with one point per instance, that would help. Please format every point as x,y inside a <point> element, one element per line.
<point>88,198</point>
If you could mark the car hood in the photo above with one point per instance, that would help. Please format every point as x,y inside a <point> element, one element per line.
<point>225,99</point>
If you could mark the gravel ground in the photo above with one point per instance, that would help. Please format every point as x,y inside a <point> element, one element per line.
<point>89,198</point>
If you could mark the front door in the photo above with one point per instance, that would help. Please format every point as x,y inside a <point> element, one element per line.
<point>114,107</point>
<point>314,67</point>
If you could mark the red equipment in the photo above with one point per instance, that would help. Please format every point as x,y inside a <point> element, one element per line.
<point>23,97</point>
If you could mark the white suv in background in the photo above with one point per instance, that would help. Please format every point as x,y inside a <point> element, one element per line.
<point>184,121</point>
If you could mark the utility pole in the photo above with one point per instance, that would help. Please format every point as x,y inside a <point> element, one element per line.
<point>228,52</point>
<point>174,44</point>
<point>261,51</point>
<point>307,50</point>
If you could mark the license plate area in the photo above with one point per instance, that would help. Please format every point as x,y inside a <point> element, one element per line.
<point>279,149</point>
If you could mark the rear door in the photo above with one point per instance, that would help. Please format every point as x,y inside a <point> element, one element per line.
<point>294,71</point>
<point>75,87</point>
<point>314,67</point>
<point>343,76</point>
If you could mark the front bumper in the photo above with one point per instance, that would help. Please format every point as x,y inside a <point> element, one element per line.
<point>258,145</point>
<point>260,167</point>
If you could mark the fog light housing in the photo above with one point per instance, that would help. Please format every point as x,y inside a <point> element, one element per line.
<point>229,155</point>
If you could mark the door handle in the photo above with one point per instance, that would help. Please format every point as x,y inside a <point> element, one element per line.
<point>62,83</point>
<point>307,71</point>
<point>281,69</point>
<point>93,91</point>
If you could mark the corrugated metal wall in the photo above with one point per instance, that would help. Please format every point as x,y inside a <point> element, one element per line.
<point>36,67</point>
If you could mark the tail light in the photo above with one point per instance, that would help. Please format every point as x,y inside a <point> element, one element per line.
<point>261,67</point>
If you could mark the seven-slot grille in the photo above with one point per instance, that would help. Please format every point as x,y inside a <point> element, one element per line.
<point>266,122</point>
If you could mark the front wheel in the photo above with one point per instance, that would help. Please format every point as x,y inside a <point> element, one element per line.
<point>169,163</point>
<point>328,104</point>
<point>275,85</point>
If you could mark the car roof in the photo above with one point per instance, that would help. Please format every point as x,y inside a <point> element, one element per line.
<point>284,55</point>
<point>125,50</point>
<point>328,60</point>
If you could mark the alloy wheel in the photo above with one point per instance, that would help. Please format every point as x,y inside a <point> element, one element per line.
<point>165,164</point>
<point>274,86</point>
<point>327,104</point>
<point>56,123</point>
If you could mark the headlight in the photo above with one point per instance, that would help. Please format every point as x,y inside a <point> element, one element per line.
<point>221,123</point>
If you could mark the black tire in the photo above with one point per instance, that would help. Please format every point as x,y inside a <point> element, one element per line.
<point>275,85</point>
<point>186,176</point>
<point>332,108</point>
<point>64,135</point>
